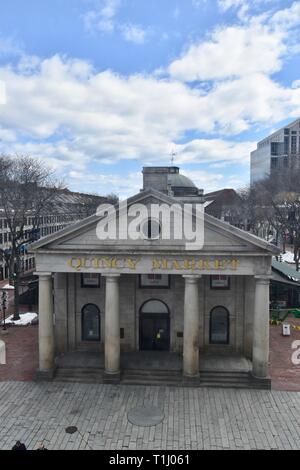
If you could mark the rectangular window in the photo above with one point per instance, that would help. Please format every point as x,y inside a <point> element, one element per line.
<point>286,145</point>
<point>155,280</point>
<point>274,148</point>
<point>274,163</point>
<point>90,280</point>
<point>219,281</point>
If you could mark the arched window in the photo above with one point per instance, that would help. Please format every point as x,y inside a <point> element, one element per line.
<point>91,323</point>
<point>219,326</point>
<point>155,306</point>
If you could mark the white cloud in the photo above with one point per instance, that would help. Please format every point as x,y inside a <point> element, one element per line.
<point>9,47</point>
<point>122,185</point>
<point>133,33</point>
<point>214,150</point>
<point>243,6</point>
<point>257,45</point>
<point>227,4</point>
<point>67,110</point>
<point>2,92</point>
<point>29,64</point>
<point>230,52</point>
<point>73,116</point>
<point>236,104</point>
<point>204,179</point>
<point>102,18</point>
<point>288,17</point>
<point>296,84</point>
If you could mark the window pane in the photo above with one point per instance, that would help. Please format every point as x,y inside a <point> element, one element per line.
<point>91,323</point>
<point>154,306</point>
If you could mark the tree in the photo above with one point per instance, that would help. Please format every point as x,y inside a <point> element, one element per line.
<point>27,190</point>
<point>277,204</point>
<point>251,211</point>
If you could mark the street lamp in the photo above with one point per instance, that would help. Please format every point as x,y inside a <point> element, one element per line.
<point>4,300</point>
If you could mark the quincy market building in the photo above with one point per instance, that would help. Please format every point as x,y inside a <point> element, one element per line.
<point>115,305</point>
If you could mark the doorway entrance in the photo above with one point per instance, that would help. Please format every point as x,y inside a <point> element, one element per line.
<point>154,326</point>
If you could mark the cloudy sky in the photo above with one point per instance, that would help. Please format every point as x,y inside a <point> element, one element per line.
<point>99,88</point>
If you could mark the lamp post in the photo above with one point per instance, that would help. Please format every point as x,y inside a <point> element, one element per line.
<point>4,299</point>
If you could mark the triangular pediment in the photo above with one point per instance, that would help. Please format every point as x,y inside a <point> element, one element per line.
<point>218,236</point>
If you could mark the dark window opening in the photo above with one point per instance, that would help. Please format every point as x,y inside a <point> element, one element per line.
<point>219,326</point>
<point>91,323</point>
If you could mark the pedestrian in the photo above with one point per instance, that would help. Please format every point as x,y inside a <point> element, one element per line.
<point>19,446</point>
<point>41,447</point>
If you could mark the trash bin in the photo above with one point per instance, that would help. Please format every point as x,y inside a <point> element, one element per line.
<point>286,329</point>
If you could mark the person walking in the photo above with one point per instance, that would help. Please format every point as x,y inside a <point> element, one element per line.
<point>19,446</point>
<point>41,447</point>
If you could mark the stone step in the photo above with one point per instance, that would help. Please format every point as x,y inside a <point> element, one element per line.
<point>79,375</point>
<point>155,380</point>
<point>223,379</point>
<point>151,372</point>
<point>225,372</point>
<point>236,385</point>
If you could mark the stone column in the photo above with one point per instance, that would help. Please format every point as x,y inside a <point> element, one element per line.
<point>191,327</point>
<point>112,328</point>
<point>46,330</point>
<point>260,353</point>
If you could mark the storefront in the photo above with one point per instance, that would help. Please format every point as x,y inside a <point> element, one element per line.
<point>154,295</point>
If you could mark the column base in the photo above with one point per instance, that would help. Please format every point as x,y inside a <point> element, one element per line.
<point>44,375</point>
<point>191,380</point>
<point>109,378</point>
<point>260,382</point>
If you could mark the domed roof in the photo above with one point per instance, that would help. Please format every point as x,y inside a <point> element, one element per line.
<point>180,181</point>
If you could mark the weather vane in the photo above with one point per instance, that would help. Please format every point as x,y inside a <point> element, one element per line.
<point>173,155</point>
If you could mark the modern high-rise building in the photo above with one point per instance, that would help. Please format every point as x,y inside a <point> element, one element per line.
<point>278,151</point>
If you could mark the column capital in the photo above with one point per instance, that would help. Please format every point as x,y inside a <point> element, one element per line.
<point>192,278</point>
<point>43,274</point>
<point>111,277</point>
<point>263,279</point>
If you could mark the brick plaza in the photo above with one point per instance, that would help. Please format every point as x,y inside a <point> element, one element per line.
<point>194,418</point>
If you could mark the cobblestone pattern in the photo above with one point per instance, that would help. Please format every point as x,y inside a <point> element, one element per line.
<point>194,418</point>
<point>21,353</point>
<point>285,375</point>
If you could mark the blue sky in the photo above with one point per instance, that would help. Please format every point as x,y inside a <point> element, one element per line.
<point>99,88</point>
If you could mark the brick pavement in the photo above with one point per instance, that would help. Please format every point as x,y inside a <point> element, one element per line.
<point>194,418</point>
<point>21,353</point>
<point>285,375</point>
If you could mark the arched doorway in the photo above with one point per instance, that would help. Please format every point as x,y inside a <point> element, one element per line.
<point>154,326</point>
